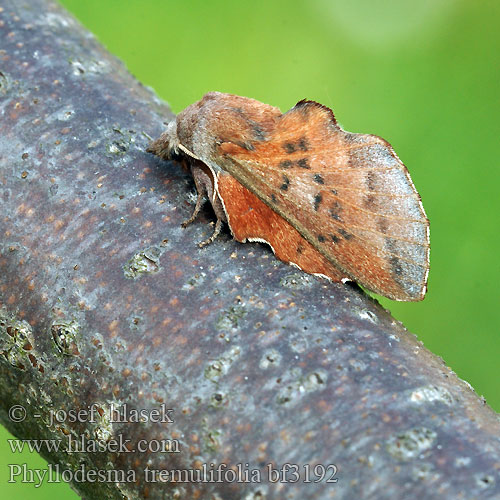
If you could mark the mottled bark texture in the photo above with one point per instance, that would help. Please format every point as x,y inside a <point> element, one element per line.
<point>107,301</point>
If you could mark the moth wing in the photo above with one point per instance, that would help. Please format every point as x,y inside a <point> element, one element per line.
<point>250,219</point>
<point>347,194</point>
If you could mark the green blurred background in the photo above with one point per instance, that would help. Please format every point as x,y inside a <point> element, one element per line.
<point>424,75</point>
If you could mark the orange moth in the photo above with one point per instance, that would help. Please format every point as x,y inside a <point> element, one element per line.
<point>331,202</point>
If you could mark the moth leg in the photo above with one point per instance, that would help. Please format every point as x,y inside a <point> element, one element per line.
<point>203,185</point>
<point>199,203</point>
<point>204,182</point>
<point>217,230</point>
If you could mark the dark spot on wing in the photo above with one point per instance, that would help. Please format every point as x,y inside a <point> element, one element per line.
<point>292,147</point>
<point>369,201</point>
<point>300,249</point>
<point>335,210</point>
<point>345,234</point>
<point>317,200</point>
<point>302,163</point>
<point>382,225</point>
<point>321,238</point>
<point>395,265</point>
<point>258,132</point>
<point>286,164</point>
<point>286,183</point>
<point>370,180</point>
<point>334,238</point>
<point>318,179</point>
<point>273,198</point>
<point>390,245</point>
<point>394,261</point>
<point>334,191</point>
<point>303,144</point>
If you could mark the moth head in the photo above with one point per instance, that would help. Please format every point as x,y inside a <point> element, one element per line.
<point>167,145</point>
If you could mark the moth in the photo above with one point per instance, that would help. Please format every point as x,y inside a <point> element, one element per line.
<point>333,203</point>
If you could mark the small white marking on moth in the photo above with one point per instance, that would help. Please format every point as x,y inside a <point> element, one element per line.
<point>322,276</point>
<point>261,240</point>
